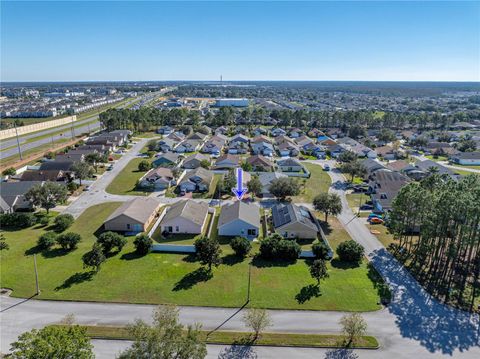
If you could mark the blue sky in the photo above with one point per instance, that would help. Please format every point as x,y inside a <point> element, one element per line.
<point>404,41</point>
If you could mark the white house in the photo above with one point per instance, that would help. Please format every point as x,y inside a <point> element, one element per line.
<point>185,217</point>
<point>239,219</point>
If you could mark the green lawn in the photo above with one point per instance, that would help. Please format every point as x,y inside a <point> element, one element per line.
<point>462,172</point>
<point>175,278</point>
<point>125,182</point>
<point>356,199</point>
<point>466,166</point>
<point>319,181</point>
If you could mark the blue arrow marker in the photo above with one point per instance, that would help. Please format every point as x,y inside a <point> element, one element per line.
<point>239,191</point>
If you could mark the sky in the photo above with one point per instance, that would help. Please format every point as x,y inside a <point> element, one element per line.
<point>141,41</point>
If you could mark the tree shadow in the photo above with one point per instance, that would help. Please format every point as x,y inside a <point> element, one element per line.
<point>337,263</point>
<point>379,284</point>
<point>241,349</point>
<point>191,279</point>
<point>232,259</point>
<point>131,256</point>
<point>308,292</point>
<point>259,262</point>
<point>326,227</point>
<point>77,278</point>
<point>341,354</point>
<point>190,258</point>
<point>55,252</point>
<point>33,250</point>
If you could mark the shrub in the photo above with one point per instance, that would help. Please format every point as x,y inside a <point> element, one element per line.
<point>63,221</point>
<point>72,186</point>
<point>288,250</point>
<point>109,240</point>
<point>350,251</point>
<point>69,240</point>
<point>144,166</point>
<point>276,247</point>
<point>143,244</point>
<point>241,246</point>
<point>42,218</point>
<point>17,220</point>
<point>47,240</point>
<point>208,251</point>
<point>320,250</point>
<point>9,172</point>
<point>268,248</point>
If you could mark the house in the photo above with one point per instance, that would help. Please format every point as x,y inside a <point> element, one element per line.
<point>240,138</point>
<point>167,144</point>
<point>214,145</point>
<point>423,169</point>
<point>315,133</point>
<point>260,163</point>
<point>50,175</point>
<point>398,166</point>
<point>185,217</point>
<point>262,145</point>
<point>123,134</point>
<point>303,141</point>
<point>12,196</point>
<point>67,157</point>
<point>176,136</point>
<point>194,161</point>
<point>287,148</point>
<point>292,221</point>
<point>466,158</point>
<point>165,130</point>
<point>133,216</point>
<point>383,188</point>
<point>372,166</point>
<point>237,148</point>
<point>295,133</point>
<point>56,166</point>
<point>266,179</point>
<point>275,132</point>
<point>349,144</point>
<point>386,152</point>
<point>239,219</point>
<point>85,152</point>
<point>222,130</point>
<point>227,161</point>
<point>189,145</point>
<point>99,148</point>
<point>197,136</point>
<point>259,131</point>
<point>168,159</point>
<point>289,165</point>
<point>158,179</point>
<point>334,150</point>
<point>198,180</point>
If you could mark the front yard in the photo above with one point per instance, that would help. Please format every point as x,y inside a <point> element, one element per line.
<point>176,278</point>
<point>125,182</point>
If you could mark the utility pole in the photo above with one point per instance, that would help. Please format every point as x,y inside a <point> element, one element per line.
<point>18,141</point>
<point>73,131</point>
<point>36,273</point>
<point>249,281</point>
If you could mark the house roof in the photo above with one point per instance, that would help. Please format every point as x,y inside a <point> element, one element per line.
<point>160,172</point>
<point>467,155</point>
<point>260,138</point>
<point>169,156</point>
<point>372,165</point>
<point>427,164</point>
<point>248,213</point>
<point>39,175</point>
<point>56,165</point>
<point>189,209</point>
<point>227,157</point>
<point>196,156</point>
<point>267,177</point>
<point>259,160</point>
<point>290,162</point>
<point>398,165</point>
<point>138,209</point>
<point>201,172</point>
<point>284,214</point>
<point>9,191</point>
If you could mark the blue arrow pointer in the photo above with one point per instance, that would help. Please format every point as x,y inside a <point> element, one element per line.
<point>239,191</point>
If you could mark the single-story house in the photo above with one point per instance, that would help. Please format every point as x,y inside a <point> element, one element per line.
<point>292,221</point>
<point>290,165</point>
<point>240,138</point>
<point>56,166</point>
<point>383,188</point>
<point>266,179</point>
<point>168,159</point>
<point>185,217</point>
<point>39,175</point>
<point>239,219</point>
<point>237,148</point>
<point>159,178</point>
<point>227,161</point>
<point>222,130</point>
<point>177,136</point>
<point>193,161</point>
<point>167,144</point>
<point>189,145</point>
<point>275,132</point>
<point>133,216</point>
<point>198,180</point>
<point>466,158</point>
<point>165,130</point>
<point>12,195</point>
<point>260,163</point>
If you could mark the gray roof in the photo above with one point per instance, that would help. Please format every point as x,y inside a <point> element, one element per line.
<point>427,164</point>
<point>9,191</point>
<point>196,156</point>
<point>284,214</point>
<point>248,213</point>
<point>267,177</point>
<point>56,165</point>
<point>289,162</point>
<point>191,210</point>
<point>139,209</point>
<point>205,175</point>
<point>467,155</point>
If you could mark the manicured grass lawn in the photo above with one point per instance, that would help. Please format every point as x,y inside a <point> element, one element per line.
<point>355,200</point>
<point>175,278</point>
<point>126,180</point>
<point>383,236</point>
<point>230,338</point>
<point>462,172</point>
<point>319,181</point>
<point>466,166</point>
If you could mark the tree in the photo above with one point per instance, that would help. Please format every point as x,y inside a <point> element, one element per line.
<point>241,246</point>
<point>386,135</point>
<point>205,164</point>
<point>53,342</point>
<point>353,168</point>
<point>350,251</point>
<point>69,240</point>
<point>47,240</point>
<point>63,221</point>
<point>328,203</point>
<point>347,156</point>
<point>357,131</point>
<point>247,167</point>
<point>275,247</point>
<point>166,338</point>
<point>9,172</point>
<point>48,195</point>
<point>94,258</point>
<point>208,251</point>
<point>143,243</point>
<point>94,159</point>
<point>353,327</point>
<point>110,240</point>
<point>81,170</point>
<point>255,186</point>
<point>318,270</point>
<point>257,319</point>
<point>320,250</point>
<point>144,166</point>
<point>284,187</point>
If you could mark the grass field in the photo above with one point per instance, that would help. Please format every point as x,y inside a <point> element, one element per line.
<point>355,200</point>
<point>232,338</point>
<point>125,182</point>
<point>175,278</point>
<point>319,181</point>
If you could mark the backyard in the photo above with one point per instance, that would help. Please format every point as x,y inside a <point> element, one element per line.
<point>177,278</point>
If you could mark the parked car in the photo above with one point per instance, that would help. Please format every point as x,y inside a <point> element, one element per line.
<point>326,168</point>
<point>375,220</point>
<point>366,207</point>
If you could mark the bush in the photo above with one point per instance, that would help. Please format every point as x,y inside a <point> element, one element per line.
<point>17,220</point>
<point>69,240</point>
<point>288,250</point>
<point>42,218</point>
<point>109,240</point>
<point>63,221</point>
<point>350,251</point>
<point>72,186</point>
<point>144,166</point>
<point>9,172</point>
<point>241,246</point>
<point>268,248</point>
<point>276,247</point>
<point>320,250</point>
<point>47,240</point>
<point>143,244</point>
